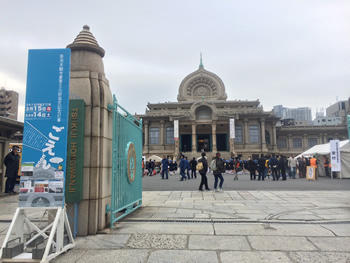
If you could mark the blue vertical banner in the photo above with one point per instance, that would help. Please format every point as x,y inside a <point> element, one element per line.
<point>45,129</point>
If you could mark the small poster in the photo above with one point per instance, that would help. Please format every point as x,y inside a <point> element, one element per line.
<point>310,173</point>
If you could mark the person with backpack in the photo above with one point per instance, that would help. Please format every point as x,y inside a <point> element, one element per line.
<point>202,168</point>
<point>193,164</point>
<point>217,166</point>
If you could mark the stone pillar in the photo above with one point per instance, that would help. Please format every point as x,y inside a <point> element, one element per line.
<point>194,138</point>
<point>213,130</point>
<point>162,133</point>
<point>246,132</point>
<point>325,135</point>
<point>88,82</point>
<point>145,147</point>
<point>305,142</point>
<point>262,135</point>
<point>274,137</point>
<point>290,142</point>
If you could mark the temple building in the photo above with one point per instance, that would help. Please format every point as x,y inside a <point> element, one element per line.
<point>203,119</point>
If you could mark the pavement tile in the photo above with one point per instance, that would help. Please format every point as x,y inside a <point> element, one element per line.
<point>254,256</point>
<point>157,241</point>
<point>332,243</point>
<point>116,256</point>
<point>183,256</point>
<point>102,241</point>
<point>271,229</point>
<point>165,228</point>
<point>281,243</point>
<point>218,242</point>
<point>320,257</point>
<point>71,256</point>
<point>339,229</point>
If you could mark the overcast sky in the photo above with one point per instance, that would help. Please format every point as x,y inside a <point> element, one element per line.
<point>295,53</point>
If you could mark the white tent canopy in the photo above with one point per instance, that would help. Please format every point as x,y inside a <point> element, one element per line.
<point>324,149</point>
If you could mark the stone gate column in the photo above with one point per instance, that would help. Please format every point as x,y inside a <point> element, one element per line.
<point>88,82</point>
<point>194,139</point>
<point>213,129</point>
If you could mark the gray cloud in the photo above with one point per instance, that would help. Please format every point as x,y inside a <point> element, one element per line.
<point>294,53</point>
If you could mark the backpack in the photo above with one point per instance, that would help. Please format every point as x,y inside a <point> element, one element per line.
<point>267,163</point>
<point>213,165</point>
<point>199,166</point>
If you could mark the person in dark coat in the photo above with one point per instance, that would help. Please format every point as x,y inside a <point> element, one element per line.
<point>183,167</point>
<point>165,166</point>
<point>188,168</point>
<point>218,172</point>
<point>11,162</point>
<point>203,173</point>
<point>283,164</point>
<point>273,163</point>
<point>193,164</point>
<point>261,167</point>
<point>251,166</point>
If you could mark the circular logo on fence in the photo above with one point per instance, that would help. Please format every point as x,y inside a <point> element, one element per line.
<point>131,162</point>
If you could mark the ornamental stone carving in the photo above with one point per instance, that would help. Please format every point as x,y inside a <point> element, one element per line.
<point>201,85</point>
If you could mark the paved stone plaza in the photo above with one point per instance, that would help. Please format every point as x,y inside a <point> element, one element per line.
<point>233,226</point>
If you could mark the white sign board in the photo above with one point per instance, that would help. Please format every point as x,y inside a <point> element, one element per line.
<point>335,155</point>
<point>232,128</point>
<point>176,129</point>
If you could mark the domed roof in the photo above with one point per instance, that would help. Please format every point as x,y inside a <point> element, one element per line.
<point>86,41</point>
<point>201,84</point>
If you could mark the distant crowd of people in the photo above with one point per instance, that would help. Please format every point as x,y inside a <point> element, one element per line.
<point>259,168</point>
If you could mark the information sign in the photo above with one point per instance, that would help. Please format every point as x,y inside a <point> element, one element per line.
<point>45,129</point>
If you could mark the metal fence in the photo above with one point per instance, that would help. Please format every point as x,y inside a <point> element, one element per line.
<point>126,163</point>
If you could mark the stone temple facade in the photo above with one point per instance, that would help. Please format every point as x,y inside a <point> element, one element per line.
<point>201,118</point>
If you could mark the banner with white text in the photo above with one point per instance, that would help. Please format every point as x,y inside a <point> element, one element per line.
<point>45,129</point>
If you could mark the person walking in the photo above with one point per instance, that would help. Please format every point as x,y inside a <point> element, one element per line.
<point>165,167</point>
<point>188,168</point>
<point>273,163</point>
<point>217,166</point>
<point>252,168</point>
<point>183,166</point>
<point>203,172</point>
<point>292,164</point>
<point>261,167</point>
<point>11,162</point>
<point>193,164</point>
<point>283,164</point>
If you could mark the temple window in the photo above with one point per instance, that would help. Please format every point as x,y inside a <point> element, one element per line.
<point>154,136</point>
<point>254,134</point>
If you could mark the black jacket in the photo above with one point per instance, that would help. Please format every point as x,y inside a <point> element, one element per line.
<point>220,168</point>
<point>11,162</point>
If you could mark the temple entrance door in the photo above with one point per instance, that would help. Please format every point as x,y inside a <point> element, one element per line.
<point>204,142</point>
<point>186,143</point>
<point>221,142</point>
